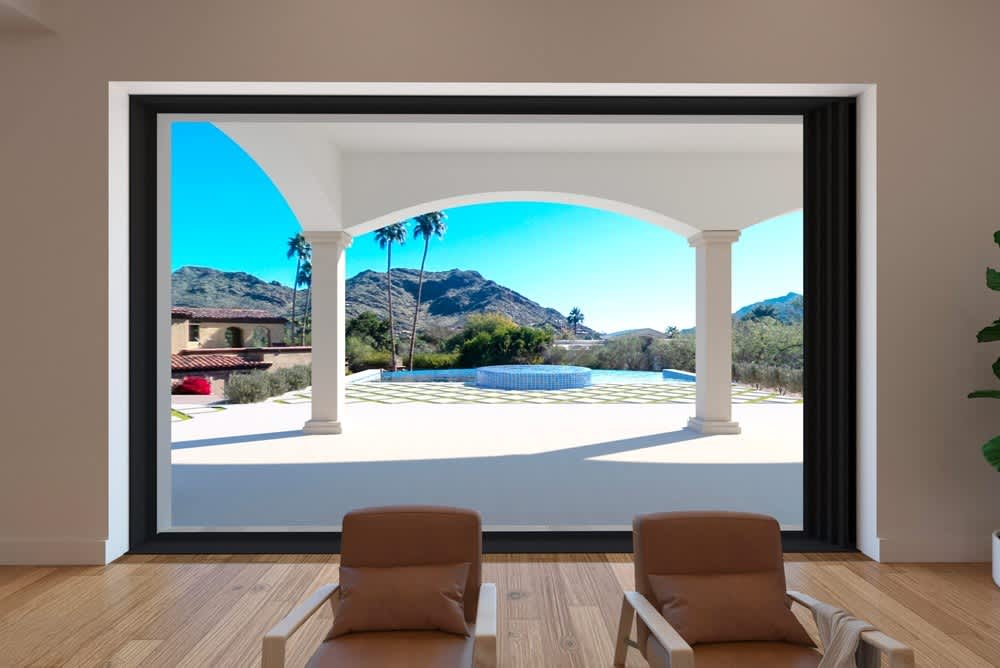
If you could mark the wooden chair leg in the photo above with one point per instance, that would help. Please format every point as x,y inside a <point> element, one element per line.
<point>624,629</point>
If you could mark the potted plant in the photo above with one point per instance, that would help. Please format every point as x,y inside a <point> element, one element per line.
<point>991,449</point>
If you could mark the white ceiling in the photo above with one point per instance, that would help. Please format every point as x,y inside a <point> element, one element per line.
<point>534,134</point>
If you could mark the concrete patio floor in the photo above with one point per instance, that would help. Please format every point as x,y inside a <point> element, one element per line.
<point>524,466</point>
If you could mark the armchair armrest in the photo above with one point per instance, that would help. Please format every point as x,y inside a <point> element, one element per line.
<point>486,627</point>
<point>273,651</point>
<point>897,654</point>
<point>679,653</point>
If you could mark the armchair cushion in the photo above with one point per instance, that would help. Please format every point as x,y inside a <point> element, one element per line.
<point>755,655</point>
<point>395,649</point>
<point>402,598</point>
<point>728,607</point>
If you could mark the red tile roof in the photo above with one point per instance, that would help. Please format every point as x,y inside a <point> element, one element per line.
<point>212,363</point>
<point>224,315</point>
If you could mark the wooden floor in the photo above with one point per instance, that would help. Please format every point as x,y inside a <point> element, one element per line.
<point>553,610</point>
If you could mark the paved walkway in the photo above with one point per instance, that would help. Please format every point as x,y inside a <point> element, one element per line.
<point>566,466</point>
<point>462,393</point>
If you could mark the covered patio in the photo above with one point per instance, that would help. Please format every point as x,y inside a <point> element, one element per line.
<point>525,467</point>
<point>701,177</point>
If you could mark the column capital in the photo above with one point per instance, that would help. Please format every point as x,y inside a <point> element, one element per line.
<point>332,237</point>
<point>713,237</point>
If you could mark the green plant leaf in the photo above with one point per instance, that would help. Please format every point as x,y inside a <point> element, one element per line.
<point>996,368</point>
<point>985,394</point>
<point>996,237</point>
<point>989,333</point>
<point>991,450</point>
<point>992,279</point>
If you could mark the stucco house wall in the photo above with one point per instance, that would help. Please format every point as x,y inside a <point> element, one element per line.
<point>212,333</point>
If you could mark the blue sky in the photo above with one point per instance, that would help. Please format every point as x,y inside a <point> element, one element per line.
<point>622,272</point>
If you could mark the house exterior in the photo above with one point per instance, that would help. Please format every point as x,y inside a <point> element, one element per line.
<point>216,367</point>
<point>215,343</point>
<point>197,328</point>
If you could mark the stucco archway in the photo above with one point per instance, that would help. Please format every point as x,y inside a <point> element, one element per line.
<point>575,199</point>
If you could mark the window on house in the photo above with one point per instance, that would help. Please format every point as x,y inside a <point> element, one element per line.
<point>194,332</point>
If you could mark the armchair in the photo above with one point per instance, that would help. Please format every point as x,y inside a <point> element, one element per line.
<point>399,537</point>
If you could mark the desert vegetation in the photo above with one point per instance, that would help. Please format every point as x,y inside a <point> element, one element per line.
<point>767,352</point>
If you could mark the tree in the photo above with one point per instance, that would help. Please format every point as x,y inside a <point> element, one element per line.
<point>306,279</point>
<point>300,249</point>
<point>574,319</point>
<point>492,338</point>
<point>369,328</point>
<point>385,238</point>
<point>425,225</point>
<point>671,332</point>
<point>761,311</point>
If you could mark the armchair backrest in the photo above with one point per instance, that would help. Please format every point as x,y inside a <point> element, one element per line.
<point>702,543</point>
<point>416,536</point>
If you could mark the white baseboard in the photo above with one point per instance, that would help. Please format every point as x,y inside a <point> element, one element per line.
<point>934,547</point>
<point>53,552</point>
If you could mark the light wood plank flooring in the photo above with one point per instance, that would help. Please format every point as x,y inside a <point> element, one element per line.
<point>553,610</point>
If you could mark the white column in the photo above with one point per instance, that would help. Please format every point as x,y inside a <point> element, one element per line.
<point>328,296</point>
<point>714,332</point>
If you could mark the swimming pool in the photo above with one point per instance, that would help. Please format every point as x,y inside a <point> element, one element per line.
<point>597,376</point>
<point>532,377</point>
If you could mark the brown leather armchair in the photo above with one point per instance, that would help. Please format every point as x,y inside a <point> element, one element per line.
<point>726,546</point>
<point>400,537</point>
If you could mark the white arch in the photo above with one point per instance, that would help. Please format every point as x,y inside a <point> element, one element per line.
<point>577,199</point>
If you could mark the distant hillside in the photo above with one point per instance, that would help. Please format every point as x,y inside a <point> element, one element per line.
<point>788,308</point>
<point>206,287</point>
<point>448,299</point>
<point>645,331</point>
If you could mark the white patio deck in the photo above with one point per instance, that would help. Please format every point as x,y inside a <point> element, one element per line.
<point>564,466</point>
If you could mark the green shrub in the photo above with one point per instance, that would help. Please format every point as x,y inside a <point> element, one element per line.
<point>435,360</point>
<point>791,380</point>
<point>277,383</point>
<point>781,378</point>
<point>357,350</point>
<point>297,377</point>
<point>377,359</point>
<point>248,388</point>
<point>492,338</point>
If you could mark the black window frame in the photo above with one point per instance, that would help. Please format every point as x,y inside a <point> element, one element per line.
<point>830,218</point>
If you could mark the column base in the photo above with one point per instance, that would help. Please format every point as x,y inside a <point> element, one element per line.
<point>322,427</point>
<point>713,426</point>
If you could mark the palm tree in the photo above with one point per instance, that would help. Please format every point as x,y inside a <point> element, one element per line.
<point>385,237</point>
<point>574,318</point>
<point>306,279</point>
<point>425,225</point>
<point>671,331</point>
<point>297,246</point>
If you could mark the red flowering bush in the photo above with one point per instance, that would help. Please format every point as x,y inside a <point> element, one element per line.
<point>193,385</point>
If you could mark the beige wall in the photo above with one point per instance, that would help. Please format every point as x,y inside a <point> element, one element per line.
<point>179,336</point>
<point>213,334</point>
<point>934,63</point>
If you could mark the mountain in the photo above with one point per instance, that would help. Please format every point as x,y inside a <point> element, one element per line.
<point>448,298</point>
<point>788,308</point>
<point>645,331</point>
<point>205,287</point>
